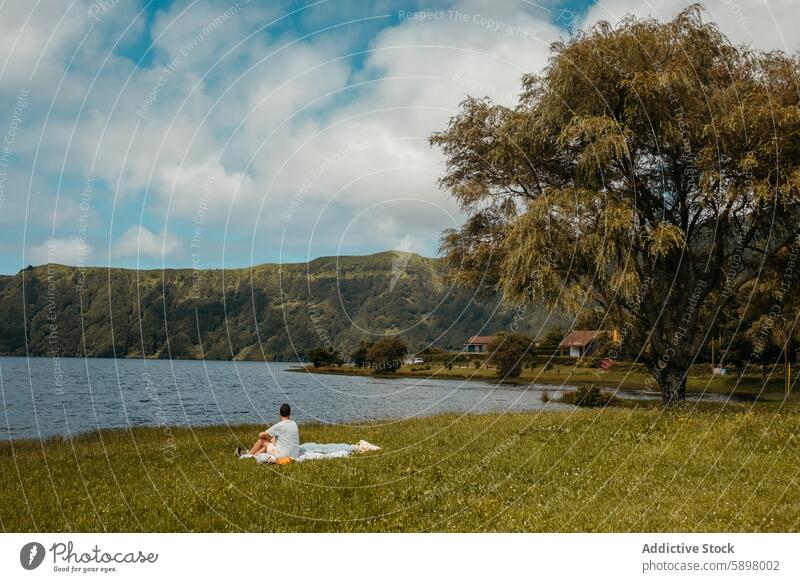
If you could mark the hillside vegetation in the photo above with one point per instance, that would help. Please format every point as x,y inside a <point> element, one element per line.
<point>273,312</point>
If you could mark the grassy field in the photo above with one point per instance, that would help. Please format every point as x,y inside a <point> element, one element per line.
<point>749,387</point>
<point>735,468</point>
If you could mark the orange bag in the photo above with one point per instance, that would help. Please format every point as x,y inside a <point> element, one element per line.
<point>283,461</point>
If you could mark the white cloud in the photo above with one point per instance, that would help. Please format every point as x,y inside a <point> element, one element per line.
<point>38,40</point>
<point>412,81</point>
<point>36,35</point>
<point>280,123</point>
<point>138,242</point>
<point>62,251</point>
<point>763,24</point>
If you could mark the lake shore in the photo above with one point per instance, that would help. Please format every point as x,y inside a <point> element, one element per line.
<point>747,387</point>
<point>614,469</point>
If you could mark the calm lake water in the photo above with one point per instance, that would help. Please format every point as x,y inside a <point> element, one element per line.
<point>40,400</point>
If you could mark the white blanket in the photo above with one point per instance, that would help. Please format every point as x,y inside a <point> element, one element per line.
<point>315,451</point>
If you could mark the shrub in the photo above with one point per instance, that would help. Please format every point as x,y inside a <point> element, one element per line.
<point>386,356</point>
<point>588,396</point>
<point>550,361</point>
<point>323,357</point>
<point>359,357</point>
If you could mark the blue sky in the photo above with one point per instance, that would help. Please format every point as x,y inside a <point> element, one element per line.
<point>219,133</point>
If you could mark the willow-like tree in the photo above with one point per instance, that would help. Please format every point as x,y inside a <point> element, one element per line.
<point>650,173</point>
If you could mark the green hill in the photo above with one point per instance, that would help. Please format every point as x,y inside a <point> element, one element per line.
<point>274,312</point>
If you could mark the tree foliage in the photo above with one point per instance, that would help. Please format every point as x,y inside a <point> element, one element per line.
<point>386,355</point>
<point>359,356</point>
<point>650,173</point>
<point>323,356</point>
<point>508,352</point>
<point>550,343</point>
<point>761,331</point>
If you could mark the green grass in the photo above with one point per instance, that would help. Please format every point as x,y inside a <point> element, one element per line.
<point>709,469</point>
<point>749,387</point>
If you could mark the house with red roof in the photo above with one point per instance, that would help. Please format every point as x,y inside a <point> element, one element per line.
<point>581,343</point>
<point>478,344</point>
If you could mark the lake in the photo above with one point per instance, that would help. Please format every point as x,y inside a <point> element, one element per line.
<point>42,397</point>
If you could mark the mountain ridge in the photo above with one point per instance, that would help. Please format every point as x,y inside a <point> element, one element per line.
<point>273,311</point>
<point>250,267</point>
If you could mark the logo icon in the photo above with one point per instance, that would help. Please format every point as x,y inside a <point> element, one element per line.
<point>31,555</point>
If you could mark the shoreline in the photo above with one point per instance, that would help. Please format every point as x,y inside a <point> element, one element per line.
<point>747,388</point>
<point>112,433</point>
<point>550,408</point>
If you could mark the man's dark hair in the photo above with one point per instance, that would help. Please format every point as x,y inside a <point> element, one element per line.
<point>286,410</point>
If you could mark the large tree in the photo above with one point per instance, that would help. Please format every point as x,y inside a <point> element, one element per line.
<point>509,352</point>
<point>386,355</point>
<point>649,173</point>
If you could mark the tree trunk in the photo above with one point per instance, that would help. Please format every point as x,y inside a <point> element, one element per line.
<point>672,381</point>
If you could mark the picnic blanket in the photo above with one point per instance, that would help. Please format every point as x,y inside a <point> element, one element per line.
<point>317,451</point>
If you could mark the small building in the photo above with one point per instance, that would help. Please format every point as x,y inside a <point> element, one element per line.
<point>478,344</point>
<point>581,343</point>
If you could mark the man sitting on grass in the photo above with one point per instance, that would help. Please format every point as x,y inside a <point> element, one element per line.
<point>279,440</point>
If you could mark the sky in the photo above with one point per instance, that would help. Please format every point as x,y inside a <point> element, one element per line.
<point>217,133</point>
